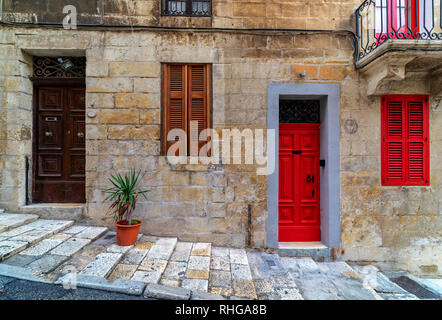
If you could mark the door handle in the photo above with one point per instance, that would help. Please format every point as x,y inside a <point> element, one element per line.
<point>313,193</point>
<point>48,134</point>
<point>80,134</point>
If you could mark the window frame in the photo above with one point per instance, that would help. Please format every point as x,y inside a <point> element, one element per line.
<point>164,97</point>
<point>188,13</point>
<point>404,99</point>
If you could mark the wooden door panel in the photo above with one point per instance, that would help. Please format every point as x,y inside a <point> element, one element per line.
<point>50,133</point>
<point>59,170</point>
<point>50,99</point>
<point>299,204</point>
<point>50,165</point>
<point>77,136</point>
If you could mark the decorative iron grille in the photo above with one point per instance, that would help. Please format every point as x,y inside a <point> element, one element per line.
<point>59,67</point>
<point>188,8</point>
<point>380,20</point>
<point>299,111</point>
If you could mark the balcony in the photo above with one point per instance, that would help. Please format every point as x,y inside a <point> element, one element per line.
<point>399,41</point>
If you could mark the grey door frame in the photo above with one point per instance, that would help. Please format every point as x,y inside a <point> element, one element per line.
<point>329,95</point>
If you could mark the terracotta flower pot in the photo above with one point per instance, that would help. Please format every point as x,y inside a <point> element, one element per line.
<point>127,234</point>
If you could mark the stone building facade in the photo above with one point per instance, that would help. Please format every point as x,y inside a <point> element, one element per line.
<point>257,51</point>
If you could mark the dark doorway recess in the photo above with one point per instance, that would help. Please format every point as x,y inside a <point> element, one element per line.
<point>59,141</point>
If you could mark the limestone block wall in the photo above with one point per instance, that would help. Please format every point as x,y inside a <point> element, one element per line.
<point>301,14</point>
<point>398,227</point>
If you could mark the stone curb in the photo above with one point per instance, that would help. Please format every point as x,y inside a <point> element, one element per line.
<point>21,273</point>
<point>94,282</point>
<point>198,295</point>
<point>159,291</point>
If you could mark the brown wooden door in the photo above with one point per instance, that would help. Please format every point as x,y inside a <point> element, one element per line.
<point>59,144</point>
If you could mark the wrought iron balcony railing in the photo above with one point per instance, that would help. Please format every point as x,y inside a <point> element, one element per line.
<point>380,20</point>
<point>187,8</point>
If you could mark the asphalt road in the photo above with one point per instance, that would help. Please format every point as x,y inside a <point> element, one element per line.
<point>14,289</point>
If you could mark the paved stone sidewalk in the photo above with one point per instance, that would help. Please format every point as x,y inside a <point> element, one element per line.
<point>57,251</point>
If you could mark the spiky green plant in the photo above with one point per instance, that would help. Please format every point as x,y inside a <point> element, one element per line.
<point>124,194</point>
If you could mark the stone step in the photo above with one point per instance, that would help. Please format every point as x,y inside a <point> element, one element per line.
<point>102,265</point>
<point>379,282</point>
<point>14,220</point>
<point>339,268</point>
<point>20,238</point>
<point>63,211</point>
<point>315,250</point>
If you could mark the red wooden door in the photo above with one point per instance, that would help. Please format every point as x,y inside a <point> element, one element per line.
<point>299,202</point>
<point>59,145</point>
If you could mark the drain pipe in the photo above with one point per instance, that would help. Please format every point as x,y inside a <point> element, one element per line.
<point>27,179</point>
<point>249,226</point>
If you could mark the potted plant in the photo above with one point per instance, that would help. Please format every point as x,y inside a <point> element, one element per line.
<point>123,196</point>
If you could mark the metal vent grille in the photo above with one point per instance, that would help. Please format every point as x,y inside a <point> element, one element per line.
<point>59,67</point>
<point>299,111</point>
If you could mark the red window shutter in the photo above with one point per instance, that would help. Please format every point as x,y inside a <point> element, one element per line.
<point>405,145</point>
<point>174,101</point>
<point>393,151</point>
<point>417,141</point>
<point>198,101</point>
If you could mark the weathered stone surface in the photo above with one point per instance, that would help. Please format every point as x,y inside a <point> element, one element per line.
<point>118,249</point>
<point>238,256</point>
<point>354,290</point>
<point>17,231</point>
<point>220,263</point>
<point>241,272</point>
<point>20,260</point>
<point>220,252</point>
<point>206,296</point>
<point>182,252</point>
<point>150,264</point>
<point>94,282</point>
<point>108,239</point>
<point>244,289</point>
<point>102,265</point>
<point>220,279</point>
<point>70,247</point>
<point>175,270</point>
<point>196,284</point>
<point>47,263</point>
<point>53,226</point>
<point>134,256</point>
<point>378,281</point>
<point>75,229</point>
<point>146,277</point>
<point>44,246</point>
<point>162,249</point>
<point>32,236</point>
<point>164,292</point>
<point>91,233</point>
<point>289,294</point>
<point>8,248</point>
<point>144,246</point>
<point>197,274</point>
<point>318,287</point>
<point>199,263</point>
<point>201,249</point>
<point>122,271</point>
<point>10,220</point>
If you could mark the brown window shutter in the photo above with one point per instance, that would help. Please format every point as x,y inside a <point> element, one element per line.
<point>174,102</point>
<point>198,101</point>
